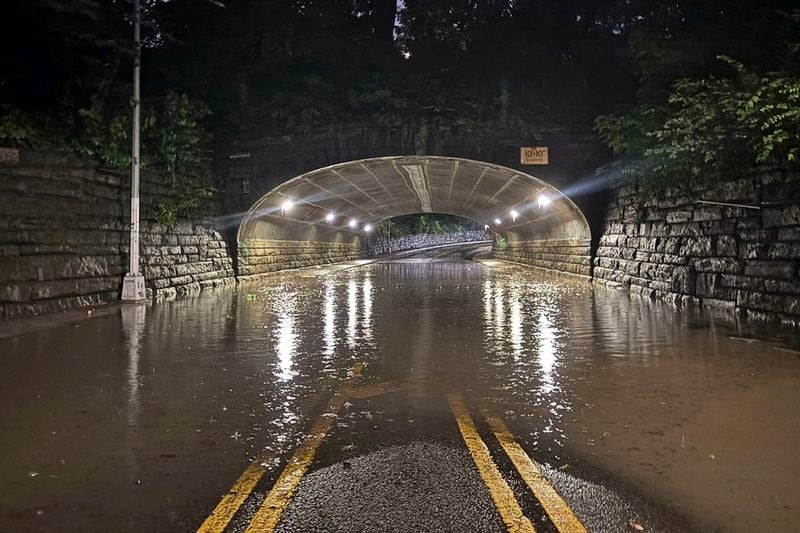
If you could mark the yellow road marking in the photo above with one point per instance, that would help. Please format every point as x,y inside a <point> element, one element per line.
<point>230,503</point>
<point>276,502</point>
<point>501,493</point>
<point>555,506</point>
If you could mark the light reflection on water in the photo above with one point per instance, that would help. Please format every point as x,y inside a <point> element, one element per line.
<point>286,337</point>
<point>352,312</point>
<point>547,357</point>
<point>330,319</point>
<point>573,369</point>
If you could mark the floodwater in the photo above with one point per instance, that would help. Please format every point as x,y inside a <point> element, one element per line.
<point>141,417</point>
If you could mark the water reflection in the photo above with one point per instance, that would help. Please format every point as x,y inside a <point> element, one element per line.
<point>516,324</point>
<point>329,332</point>
<point>352,312</point>
<point>545,334</point>
<point>133,320</point>
<point>366,323</point>
<point>133,323</point>
<point>286,337</point>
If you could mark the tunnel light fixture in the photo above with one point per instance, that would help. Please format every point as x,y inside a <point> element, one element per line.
<point>544,201</point>
<point>353,223</point>
<point>287,206</point>
<point>498,221</point>
<point>330,217</point>
<point>514,215</point>
<point>367,228</point>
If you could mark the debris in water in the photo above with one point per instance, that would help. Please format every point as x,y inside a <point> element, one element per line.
<point>635,525</point>
<point>743,339</point>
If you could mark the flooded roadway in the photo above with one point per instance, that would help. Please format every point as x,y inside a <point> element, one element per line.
<point>642,417</point>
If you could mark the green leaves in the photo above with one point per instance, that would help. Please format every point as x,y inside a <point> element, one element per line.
<point>709,127</point>
<point>173,138</point>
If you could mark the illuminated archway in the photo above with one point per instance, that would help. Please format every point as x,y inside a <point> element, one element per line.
<point>320,216</point>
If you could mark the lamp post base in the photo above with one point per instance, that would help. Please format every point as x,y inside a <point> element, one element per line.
<point>133,288</point>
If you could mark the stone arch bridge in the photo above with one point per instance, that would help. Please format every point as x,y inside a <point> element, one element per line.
<point>304,200</point>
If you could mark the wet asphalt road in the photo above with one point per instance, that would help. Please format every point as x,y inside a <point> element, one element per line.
<point>640,415</point>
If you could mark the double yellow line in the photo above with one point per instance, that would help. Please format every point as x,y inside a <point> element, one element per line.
<point>277,500</point>
<point>556,508</point>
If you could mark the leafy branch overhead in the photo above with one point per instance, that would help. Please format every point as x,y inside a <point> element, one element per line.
<point>723,121</point>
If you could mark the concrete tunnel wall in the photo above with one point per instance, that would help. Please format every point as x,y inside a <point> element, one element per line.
<point>368,191</point>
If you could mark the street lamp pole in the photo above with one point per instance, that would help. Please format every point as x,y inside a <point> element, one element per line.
<point>133,284</point>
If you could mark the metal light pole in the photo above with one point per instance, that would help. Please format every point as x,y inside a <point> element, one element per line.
<point>133,284</point>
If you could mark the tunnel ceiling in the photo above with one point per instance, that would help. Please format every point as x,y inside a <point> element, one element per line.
<point>372,190</point>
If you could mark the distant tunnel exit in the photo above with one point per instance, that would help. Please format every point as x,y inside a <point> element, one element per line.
<point>321,216</point>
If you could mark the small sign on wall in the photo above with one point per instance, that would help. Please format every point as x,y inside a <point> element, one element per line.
<point>533,155</point>
<point>9,156</point>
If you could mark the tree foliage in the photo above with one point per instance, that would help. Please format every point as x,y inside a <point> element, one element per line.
<point>424,224</point>
<point>685,89</point>
<point>68,88</point>
<point>703,119</point>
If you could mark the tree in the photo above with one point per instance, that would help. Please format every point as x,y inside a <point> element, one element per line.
<point>702,118</point>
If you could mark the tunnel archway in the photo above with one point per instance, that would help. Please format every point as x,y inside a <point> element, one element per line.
<point>320,216</point>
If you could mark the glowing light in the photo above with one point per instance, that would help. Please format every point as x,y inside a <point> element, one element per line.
<point>498,221</point>
<point>330,319</point>
<point>514,215</point>
<point>353,223</point>
<point>368,228</point>
<point>330,217</point>
<point>352,312</point>
<point>287,206</point>
<point>544,201</point>
<point>286,338</point>
<point>486,227</point>
<point>406,54</point>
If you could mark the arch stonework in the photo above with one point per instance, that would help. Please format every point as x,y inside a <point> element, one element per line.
<point>555,236</point>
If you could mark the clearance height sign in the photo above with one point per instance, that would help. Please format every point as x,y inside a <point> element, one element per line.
<point>533,155</point>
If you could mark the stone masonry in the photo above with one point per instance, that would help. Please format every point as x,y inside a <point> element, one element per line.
<point>570,256</point>
<point>266,256</point>
<point>64,239</point>
<point>743,260</point>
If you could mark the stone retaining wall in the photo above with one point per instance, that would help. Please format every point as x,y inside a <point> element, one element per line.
<point>571,256</point>
<point>64,238</point>
<point>265,256</point>
<point>734,258</point>
<point>377,246</point>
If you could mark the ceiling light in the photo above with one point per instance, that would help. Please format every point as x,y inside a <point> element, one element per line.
<point>498,221</point>
<point>330,217</point>
<point>287,205</point>
<point>368,228</point>
<point>514,215</point>
<point>544,201</point>
<point>353,223</point>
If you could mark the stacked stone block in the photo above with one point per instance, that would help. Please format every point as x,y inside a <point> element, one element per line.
<point>571,256</point>
<point>730,257</point>
<point>265,256</point>
<point>64,239</point>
